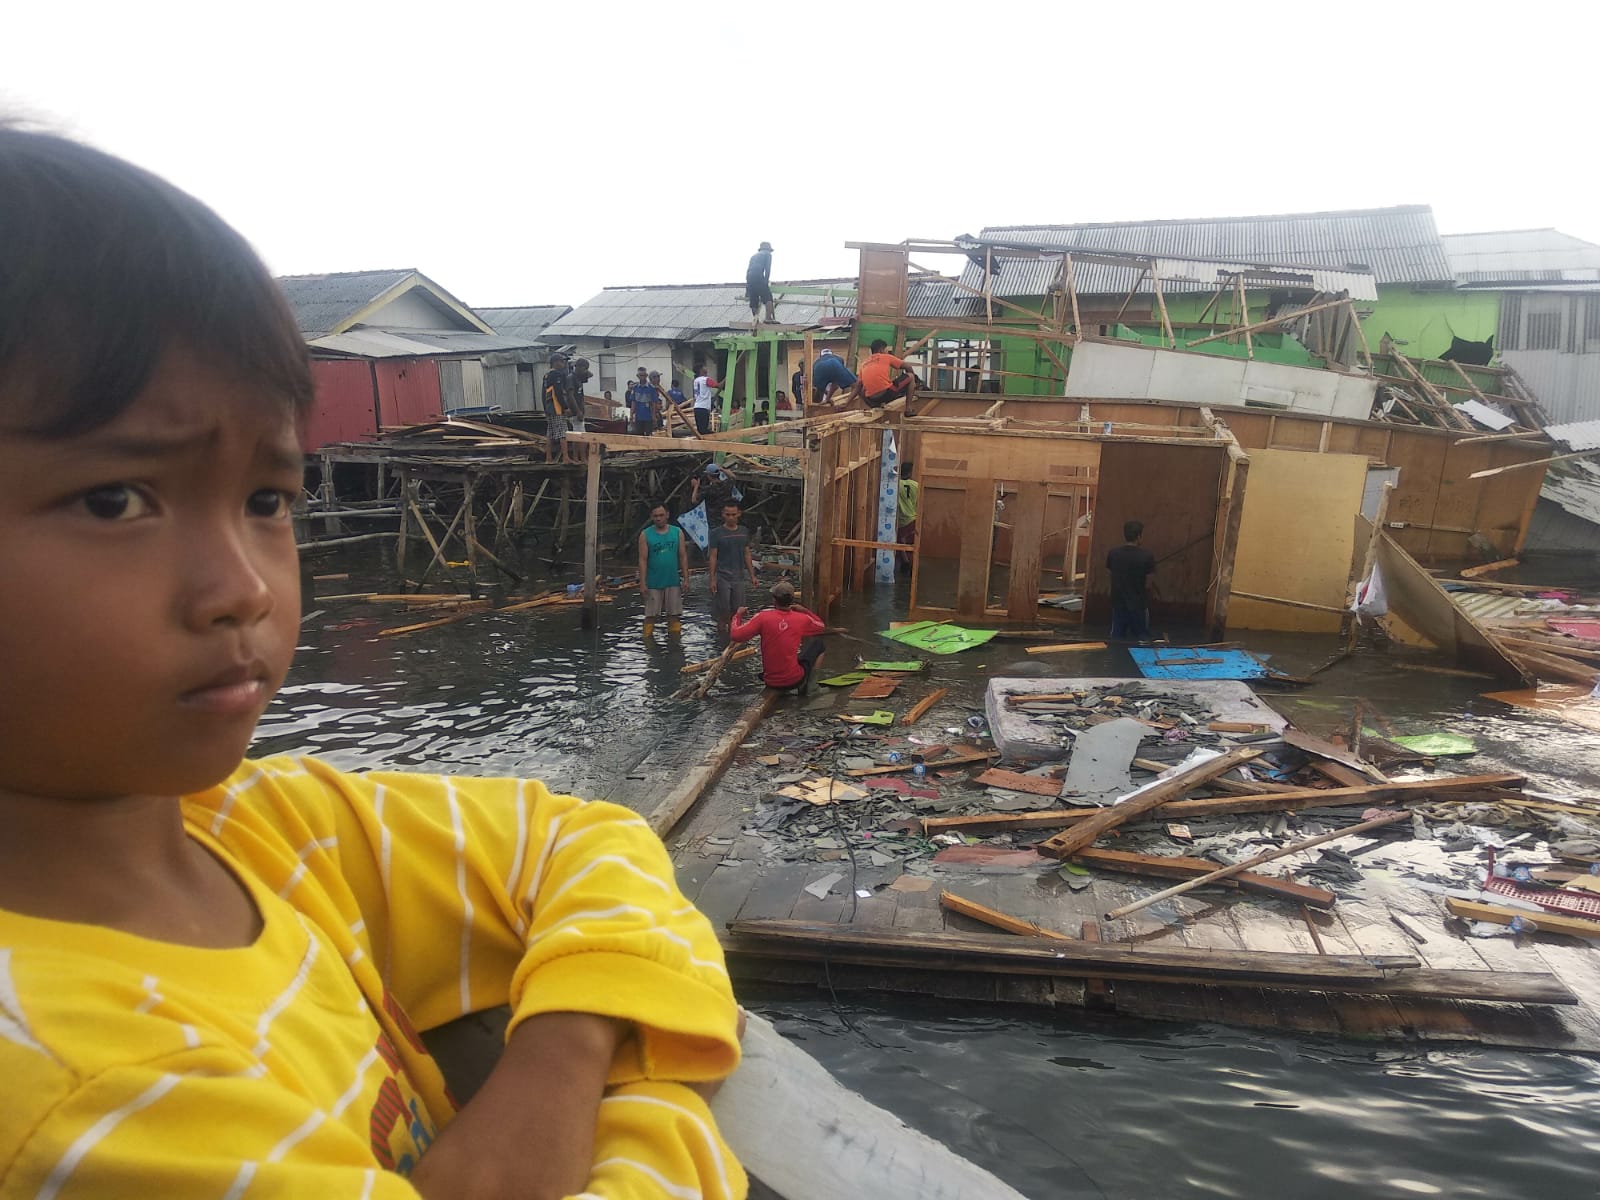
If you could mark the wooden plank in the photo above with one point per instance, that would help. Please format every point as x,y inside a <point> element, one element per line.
<point>977,525</point>
<point>920,709</point>
<point>954,760</point>
<point>1106,819</point>
<point>990,916</point>
<point>1409,791</point>
<point>1064,648</point>
<point>1398,976</point>
<point>1014,781</point>
<point>1027,549</point>
<point>1547,922</point>
<point>631,441</point>
<point>1179,867</point>
<point>1489,568</point>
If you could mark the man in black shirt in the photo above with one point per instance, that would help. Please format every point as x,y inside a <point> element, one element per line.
<point>1130,566</point>
<point>758,283</point>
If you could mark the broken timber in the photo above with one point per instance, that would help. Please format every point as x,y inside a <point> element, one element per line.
<point>1083,833</point>
<point>994,917</point>
<point>1180,867</point>
<point>676,803</point>
<point>997,954</point>
<point>1460,787</point>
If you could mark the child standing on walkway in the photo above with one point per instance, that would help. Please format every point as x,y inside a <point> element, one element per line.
<point>213,970</point>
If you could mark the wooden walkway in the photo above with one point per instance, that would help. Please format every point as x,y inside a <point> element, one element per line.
<point>724,871</point>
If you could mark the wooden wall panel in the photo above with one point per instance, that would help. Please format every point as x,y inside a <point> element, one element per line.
<point>1174,490</point>
<point>1044,460</point>
<point>1296,538</point>
<point>1027,514</point>
<point>977,524</point>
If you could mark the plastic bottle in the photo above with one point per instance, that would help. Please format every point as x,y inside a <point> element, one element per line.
<point>919,768</point>
<point>894,756</point>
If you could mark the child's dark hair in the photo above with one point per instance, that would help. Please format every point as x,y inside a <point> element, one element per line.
<point>103,266</point>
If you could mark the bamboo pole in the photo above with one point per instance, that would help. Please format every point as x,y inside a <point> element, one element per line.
<point>1244,318</point>
<point>1282,852</point>
<point>1538,462</point>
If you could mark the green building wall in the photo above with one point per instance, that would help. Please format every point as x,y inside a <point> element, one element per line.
<point>1422,322</point>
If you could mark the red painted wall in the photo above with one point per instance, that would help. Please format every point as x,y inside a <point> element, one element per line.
<point>408,391</point>
<point>341,406</point>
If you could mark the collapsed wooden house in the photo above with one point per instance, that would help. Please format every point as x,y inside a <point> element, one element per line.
<point>1253,510</point>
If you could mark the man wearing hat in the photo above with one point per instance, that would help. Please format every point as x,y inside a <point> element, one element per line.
<point>790,641</point>
<point>557,388</point>
<point>758,284</point>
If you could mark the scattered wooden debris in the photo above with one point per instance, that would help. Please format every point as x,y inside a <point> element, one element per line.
<point>1178,867</point>
<point>1543,922</point>
<point>920,709</point>
<point>1103,820</point>
<point>1065,647</point>
<point>822,791</point>
<point>954,760</point>
<point>695,668</point>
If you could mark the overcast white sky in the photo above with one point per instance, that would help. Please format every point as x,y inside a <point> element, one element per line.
<point>533,153</point>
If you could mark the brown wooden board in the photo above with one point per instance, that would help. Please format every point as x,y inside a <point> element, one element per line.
<point>1025,511</point>
<point>1014,781</point>
<point>1179,867</point>
<point>977,525</point>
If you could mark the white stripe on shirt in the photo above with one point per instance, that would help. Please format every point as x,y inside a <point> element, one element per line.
<point>461,887</point>
<point>286,996</point>
<point>13,1023</point>
<point>229,796</point>
<point>661,1181</point>
<point>712,1148</point>
<point>96,1133</point>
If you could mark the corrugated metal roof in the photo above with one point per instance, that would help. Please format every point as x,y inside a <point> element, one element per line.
<point>1487,608</point>
<point>370,341</point>
<point>686,312</point>
<point>1576,488</point>
<point>1580,435</point>
<point>1521,255</point>
<point>1395,245</point>
<point>321,302</point>
<point>527,321</point>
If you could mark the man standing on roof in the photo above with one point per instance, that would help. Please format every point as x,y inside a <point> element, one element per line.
<point>644,402</point>
<point>830,375</point>
<point>758,284</point>
<point>878,386</point>
<point>678,400</point>
<point>557,385</point>
<point>705,395</point>
<point>790,645</point>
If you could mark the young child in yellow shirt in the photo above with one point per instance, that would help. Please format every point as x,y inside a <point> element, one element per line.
<point>213,970</point>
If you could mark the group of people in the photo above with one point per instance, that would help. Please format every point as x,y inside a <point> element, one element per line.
<point>790,633</point>
<point>562,393</point>
<point>883,377</point>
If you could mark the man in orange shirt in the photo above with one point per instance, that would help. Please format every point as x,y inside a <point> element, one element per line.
<point>876,384</point>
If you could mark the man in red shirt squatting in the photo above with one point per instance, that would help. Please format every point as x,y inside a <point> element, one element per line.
<point>875,383</point>
<point>790,646</point>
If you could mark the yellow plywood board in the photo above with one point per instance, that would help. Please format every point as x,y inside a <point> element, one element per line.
<point>1296,538</point>
<point>973,456</point>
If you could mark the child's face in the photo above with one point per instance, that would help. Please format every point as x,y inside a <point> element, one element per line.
<point>152,596</point>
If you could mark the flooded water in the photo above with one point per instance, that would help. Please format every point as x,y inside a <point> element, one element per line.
<point>1058,1106</point>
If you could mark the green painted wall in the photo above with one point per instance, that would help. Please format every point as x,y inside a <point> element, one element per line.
<point>1422,322</point>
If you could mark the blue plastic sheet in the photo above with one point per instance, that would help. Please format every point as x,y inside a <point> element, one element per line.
<point>1170,662</point>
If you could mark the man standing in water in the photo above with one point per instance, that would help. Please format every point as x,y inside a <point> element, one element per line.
<point>663,570</point>
<point>1130,566</point>
<point>790,645</point>
<point>731,563</point>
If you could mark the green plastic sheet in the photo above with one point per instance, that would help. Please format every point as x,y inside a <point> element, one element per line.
<point>913,664</point>
<point>939,637</point>
<point>880,716</point>
<point>848,679</point>
<point>1442,745</point>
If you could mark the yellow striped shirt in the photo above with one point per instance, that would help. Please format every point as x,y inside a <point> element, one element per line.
<point>389,902</point>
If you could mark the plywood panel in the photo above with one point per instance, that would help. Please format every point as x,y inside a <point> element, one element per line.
<point>1421,462</point>
<point>1049,460</point>
<point>977,522</point>
<point>1296,538</point>
<point>1027,512</point>
<point>1174,490</point>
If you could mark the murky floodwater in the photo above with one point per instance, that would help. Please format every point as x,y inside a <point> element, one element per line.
<point>1059,1106</point>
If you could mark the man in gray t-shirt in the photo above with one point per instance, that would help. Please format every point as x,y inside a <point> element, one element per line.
<point>731,564</point>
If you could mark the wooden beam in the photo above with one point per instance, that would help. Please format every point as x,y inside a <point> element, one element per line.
<point>1106,819</point>
<point>954,760</point>
<point>591,536</point>
<point>1178,867</point>
<point>1286,603</point>
<point>1065,957</point>
<point>994,917</point>
<point>1228,872</point>
<point>1065,647</point>
<point>675,805</point>
<point>1260,325</point>
<point>1463,787</point>
<point>1537,462</point>
<point>1548,922</point>
<point>920,709</point>
<point>1504,564</point>
<point>633,441</point>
